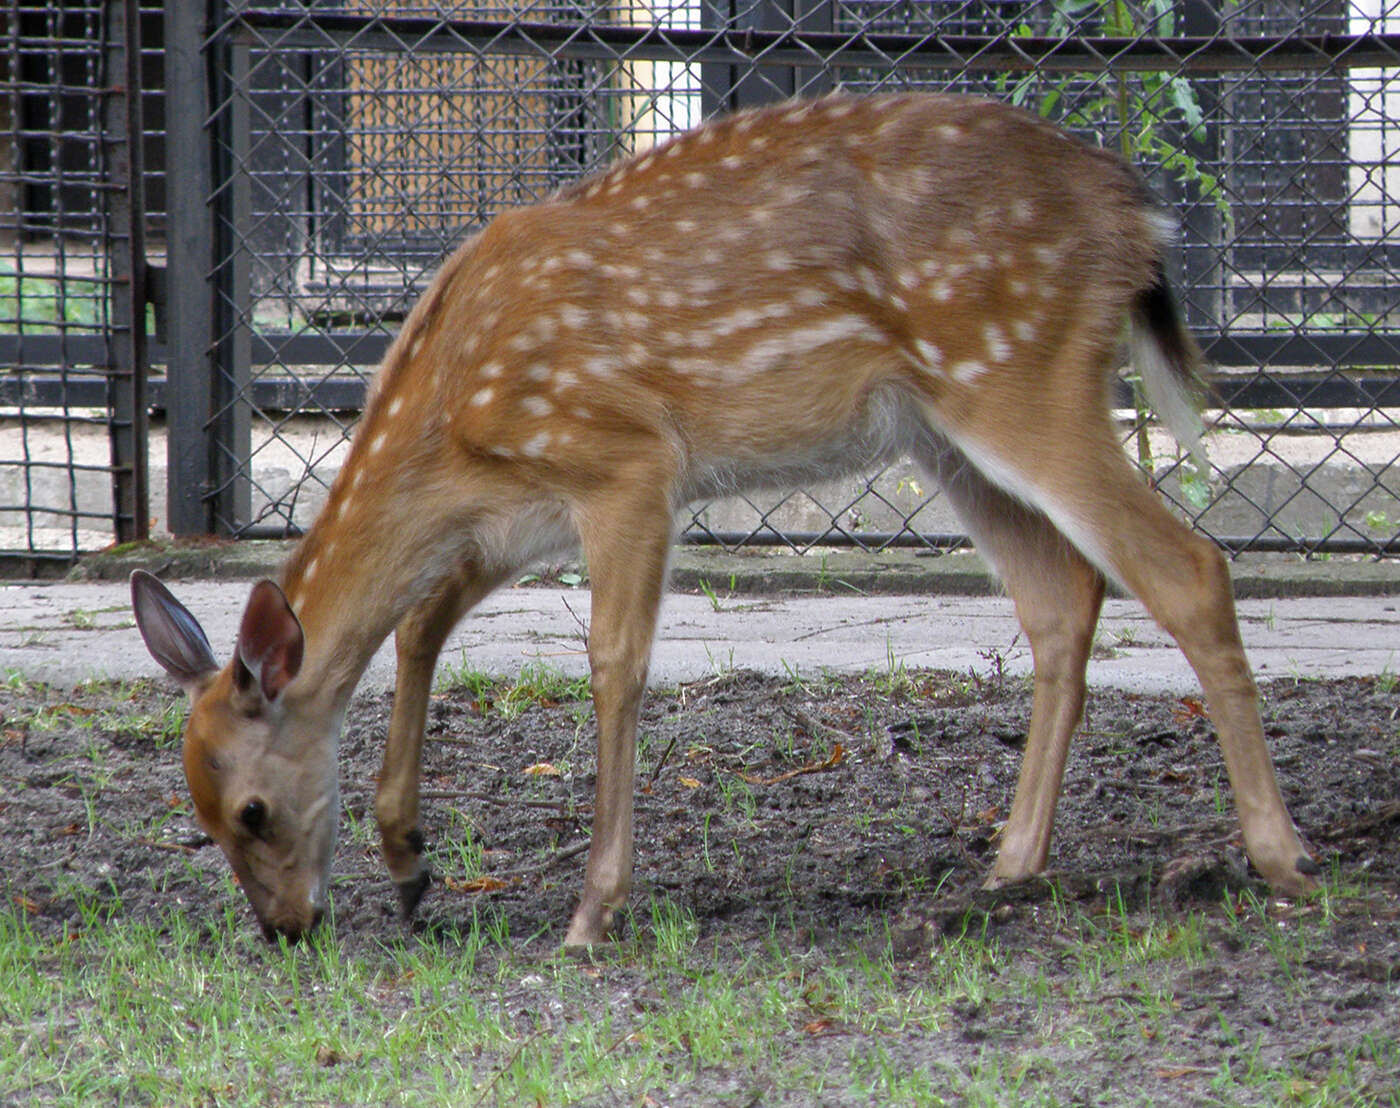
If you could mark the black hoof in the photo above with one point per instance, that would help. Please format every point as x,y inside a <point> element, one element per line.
<point>1306,865</point>
<point>412,890</point>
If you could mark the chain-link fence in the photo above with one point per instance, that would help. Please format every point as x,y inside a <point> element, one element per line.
<point>330,154</point>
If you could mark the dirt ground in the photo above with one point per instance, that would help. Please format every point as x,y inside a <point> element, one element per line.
<point>815,809</point>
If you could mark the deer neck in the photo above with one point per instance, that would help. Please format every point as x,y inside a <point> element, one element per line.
<point>349,583</point>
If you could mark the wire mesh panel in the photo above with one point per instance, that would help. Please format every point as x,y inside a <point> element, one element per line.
<point>72,437</point>
<point>363,139</point>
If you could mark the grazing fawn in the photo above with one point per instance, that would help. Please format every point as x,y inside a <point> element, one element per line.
<point>796,292</point>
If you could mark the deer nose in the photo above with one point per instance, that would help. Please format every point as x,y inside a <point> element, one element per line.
<point>293,932</point>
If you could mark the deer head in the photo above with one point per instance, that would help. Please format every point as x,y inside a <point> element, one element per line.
<point>261,771</point>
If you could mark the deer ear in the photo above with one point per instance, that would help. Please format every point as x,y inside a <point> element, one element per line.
<point>270,643</point>
<point>171,634</point>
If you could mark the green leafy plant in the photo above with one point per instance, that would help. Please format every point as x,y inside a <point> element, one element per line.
<point>1154,112</point>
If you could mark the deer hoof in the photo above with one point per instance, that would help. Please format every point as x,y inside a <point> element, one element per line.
<point>589,929</point>
<point>1306,865</point>
<point>412,890</point>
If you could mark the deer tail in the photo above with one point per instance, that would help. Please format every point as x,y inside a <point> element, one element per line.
<point>1169,363</point>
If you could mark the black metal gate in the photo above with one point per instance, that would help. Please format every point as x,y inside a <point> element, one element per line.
<point>73,294</point>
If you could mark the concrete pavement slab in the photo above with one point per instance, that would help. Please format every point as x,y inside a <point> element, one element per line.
<point>66,632</point>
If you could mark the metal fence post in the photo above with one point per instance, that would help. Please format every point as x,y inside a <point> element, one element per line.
<point>128,425</point>
<point>190,237</point>
<point>207,410</point>
<point>231,409</point>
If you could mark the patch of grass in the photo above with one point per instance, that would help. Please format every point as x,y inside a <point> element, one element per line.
<point>710,594</point>
<point>165,725</point>
<point>894,680</point>
<point>194,1009</point>
<point>171,1015</point>
<point>123,708</point>
<point>538,683</point>
<point>674,930</point>
<point>797,684</point>
<point>721,667</point>
<point>737,795</point>
<point>462,853</point>
<point>462,676</point>
<point>14,680</point>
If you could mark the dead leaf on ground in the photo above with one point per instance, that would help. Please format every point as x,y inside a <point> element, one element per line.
<point>1188,708</point>
<point>838,755</point>
<point>486,884</point>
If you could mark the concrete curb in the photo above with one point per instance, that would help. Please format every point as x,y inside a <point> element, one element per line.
<point>767,573</point>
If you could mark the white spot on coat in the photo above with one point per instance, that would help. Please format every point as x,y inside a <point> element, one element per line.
<point>600,365</point>
<point>573,317</point>
<point>967,371</point>
<point>998,349</point>
<point>536,445</point>
<point>930,355</point>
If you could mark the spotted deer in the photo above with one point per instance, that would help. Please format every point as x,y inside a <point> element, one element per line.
<point>792,293</point>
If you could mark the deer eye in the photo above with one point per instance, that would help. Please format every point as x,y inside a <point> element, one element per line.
<point>253,817</point>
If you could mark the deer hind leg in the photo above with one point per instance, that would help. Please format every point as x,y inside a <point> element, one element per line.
<point>1072,469</point>
<point>626,533</point>
<point>1183,581</point>
<point>1057,595</point>
<point>417,642</point>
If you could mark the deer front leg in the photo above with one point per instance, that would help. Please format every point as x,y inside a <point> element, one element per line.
<point>626,543</point>
<point>417,642</point>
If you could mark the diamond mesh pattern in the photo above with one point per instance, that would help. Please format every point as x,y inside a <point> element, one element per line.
<point>357,141</point>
